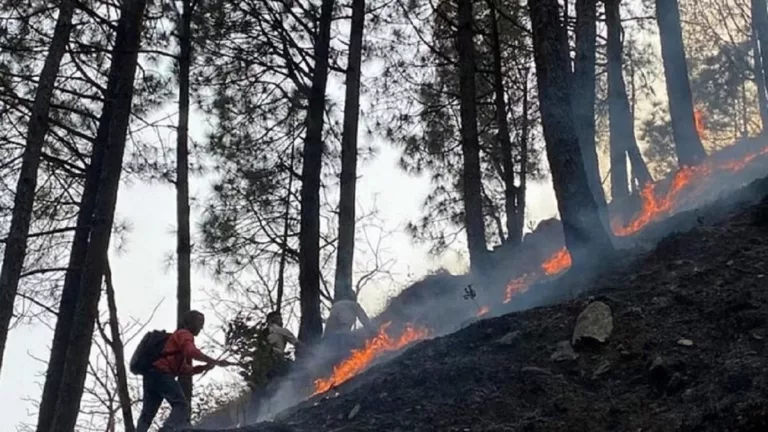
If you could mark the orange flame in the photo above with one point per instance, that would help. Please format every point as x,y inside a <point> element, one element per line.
<point>658,204</point>
<point>518,285</point>
<point>557,263</point>
<point>360,359</point>
<point>698,120</point>
<point>483,310</point>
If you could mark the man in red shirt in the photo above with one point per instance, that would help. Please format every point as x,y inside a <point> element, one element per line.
<point>160,382</point>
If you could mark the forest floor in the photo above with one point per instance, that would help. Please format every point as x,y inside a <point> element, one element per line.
<point>686,350</point>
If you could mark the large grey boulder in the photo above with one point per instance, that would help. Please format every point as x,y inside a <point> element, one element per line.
<point>594,324</point>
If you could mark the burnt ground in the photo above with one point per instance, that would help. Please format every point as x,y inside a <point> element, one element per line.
<point>688,351</point>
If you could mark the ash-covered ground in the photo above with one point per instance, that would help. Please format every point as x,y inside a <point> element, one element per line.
<point>685,347</point>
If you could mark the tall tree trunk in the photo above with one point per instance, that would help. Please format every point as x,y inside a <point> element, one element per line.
<point>311,326</point>
<point>524,138</point>
<point>583,94</point>
<point>346,247</point>
<point>760,54</point>
<point>183,243</point>
<point>619,122</point>
<point>117,105</point>
<point>760,24</point>
<point>585,234</point>
<point>286,225</point>
<point>70,293</point>
<point>470,145</point>
<point>510,190</point>
<point>116,344</point>
<point>16,244</point>
<point>622,124</point>
<point>688,145</point>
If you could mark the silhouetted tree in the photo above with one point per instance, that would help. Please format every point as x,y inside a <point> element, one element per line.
<point>585,234</point>
<point>688,145</point>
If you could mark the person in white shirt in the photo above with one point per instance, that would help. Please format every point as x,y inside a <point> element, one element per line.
<point>338,336</point>
<point>278,335</point>
<point>343,316</point>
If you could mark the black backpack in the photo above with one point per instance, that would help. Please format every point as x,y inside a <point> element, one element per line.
<point>149,350</point>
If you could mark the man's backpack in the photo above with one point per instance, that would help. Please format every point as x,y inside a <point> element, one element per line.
<point>149,350</point>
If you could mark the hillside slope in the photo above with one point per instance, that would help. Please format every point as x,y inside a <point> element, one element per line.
<point>687,351</point>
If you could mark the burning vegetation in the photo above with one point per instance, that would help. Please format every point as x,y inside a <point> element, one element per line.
<point>659,200</point>
<point>360,359</point>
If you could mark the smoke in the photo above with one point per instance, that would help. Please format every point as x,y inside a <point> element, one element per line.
<point>444,303</point>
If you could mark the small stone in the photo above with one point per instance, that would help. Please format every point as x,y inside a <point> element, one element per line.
<point>685,342</point>
<point>760,276</point>
<point>509,338</point>
<point>354,412</point>
<point>729,263</point>
<point>595,323</point>
<point>564,351</point>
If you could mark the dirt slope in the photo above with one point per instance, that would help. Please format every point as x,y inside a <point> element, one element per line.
<point>687,352</point>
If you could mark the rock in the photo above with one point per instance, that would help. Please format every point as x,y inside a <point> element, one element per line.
<point>595,323</point>
<point>354,412</point>
<point>685,342</point>
<point>564,351</point>
<point>509,338</point>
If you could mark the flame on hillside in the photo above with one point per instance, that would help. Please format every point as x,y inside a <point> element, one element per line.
<point>557,263</point>
<point>360,359</point>
<point>657,202</point>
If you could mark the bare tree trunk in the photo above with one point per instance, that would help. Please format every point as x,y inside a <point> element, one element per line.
<point>70,293</point>
<point>183,242</point>
<point>116,343</point>
<point>760,53</point>
<point>16,244</point>
<point>286,224</point>
<point>760,24</point>
<point>521,192</point>
<point>583,94</point>
<point>622,125</point>
<point>470,145</point>
<point>585,234</point>
<point>619,123</point>
<point>311,326</point>
<point>346,246</point>
<point>117,107</point>
<point>688,145</point>
<point>510,190</point>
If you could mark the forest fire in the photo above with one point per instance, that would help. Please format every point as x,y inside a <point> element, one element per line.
<point>557,263</point>
<point>518,285</point>
<point>360,359</point>
<point>657,204</point>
